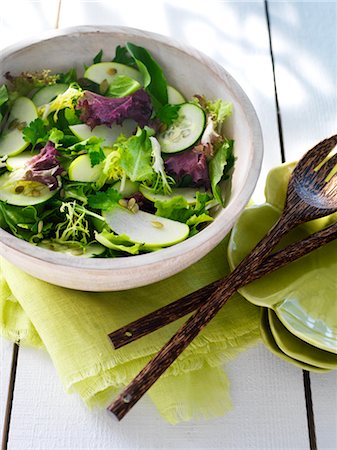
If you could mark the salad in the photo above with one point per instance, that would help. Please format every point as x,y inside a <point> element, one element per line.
<point>113,163</point>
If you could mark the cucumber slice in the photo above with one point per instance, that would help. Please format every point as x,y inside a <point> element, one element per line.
<point>89,251</point>
<point>174,96</point>
<point>129,188</point>
<point>17,162</point>
<point>145,228</point>
<point>80,170</point>
<point>48,93</point>
<point>23,193</point>
<point>82,131</point>
<point>108,70</point>
<point>22,113</point>
<point>189,194</point>
<point>185,131</point>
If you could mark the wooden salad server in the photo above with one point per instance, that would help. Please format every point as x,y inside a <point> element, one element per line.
<point>185,305</point>
<point>311,194</point>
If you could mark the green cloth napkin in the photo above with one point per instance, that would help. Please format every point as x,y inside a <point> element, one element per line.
<point>73,326</point>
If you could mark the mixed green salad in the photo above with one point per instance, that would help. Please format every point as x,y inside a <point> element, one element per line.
<point>116,162</point>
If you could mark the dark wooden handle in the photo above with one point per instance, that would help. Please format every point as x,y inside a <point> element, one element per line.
<point>177,344</point>
<point>179,308</point>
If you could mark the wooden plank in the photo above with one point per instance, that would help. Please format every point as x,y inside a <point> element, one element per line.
<point>324,392</point>
<point>304,38</point>
<point>269,409</point>
<point>305,47</point>
<point>6,353</point>
<point>44,417</point>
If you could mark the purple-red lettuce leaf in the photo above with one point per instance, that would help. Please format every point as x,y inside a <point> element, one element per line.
<point>45,167</point>
<point>99,110</point>
<point>189,169</point>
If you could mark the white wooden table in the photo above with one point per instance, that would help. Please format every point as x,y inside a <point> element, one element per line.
<point>284,55</point>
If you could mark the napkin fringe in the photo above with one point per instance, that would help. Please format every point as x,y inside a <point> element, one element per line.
<point>92,383</point>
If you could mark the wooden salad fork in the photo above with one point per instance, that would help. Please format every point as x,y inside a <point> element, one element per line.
<point>311,194</point>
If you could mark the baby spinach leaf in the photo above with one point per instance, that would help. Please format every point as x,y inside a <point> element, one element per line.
<point>3,101</point>
<point>154,80</point>
<point>68,77</point>
<point>122,56</point>
<point>22,222</point>
<point>3,94</point>
<point>219,166</point>
<point>98,57</point>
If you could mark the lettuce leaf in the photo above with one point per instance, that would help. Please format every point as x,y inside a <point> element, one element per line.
<point>177,208</point>
<point>219,110</point>
<point>92,146</point>
<point>104,200</point>
<point>194,221</point>
<point>136,157</point>
<point>189,168</point>
<point>99,110</point>
<point>121,86</point>
<point>219,167</point>
<point>117,242</point>
<point>67,99</point>
<point>23,84</point>
<point>38,133</point>
<point>44,167</point>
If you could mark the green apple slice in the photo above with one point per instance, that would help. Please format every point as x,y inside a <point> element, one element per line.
<point>19,161</point>
<point>82,131</point>
<point>23,193</point>
<point>48,93</point>
<point>174,96</point>
<point>108,70</point>
<point>145,228</point>
<point>189,194</point>
<point>11,141</point>
<point>88,251</point>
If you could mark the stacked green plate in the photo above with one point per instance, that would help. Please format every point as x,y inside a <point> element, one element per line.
<point>299,318</point>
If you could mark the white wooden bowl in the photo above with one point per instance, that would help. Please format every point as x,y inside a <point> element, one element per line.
<point>192,72</point>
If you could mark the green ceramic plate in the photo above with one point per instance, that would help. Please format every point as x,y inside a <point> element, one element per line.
<point>304,293</point>
<point>270,343</point>
<point>298,349</point>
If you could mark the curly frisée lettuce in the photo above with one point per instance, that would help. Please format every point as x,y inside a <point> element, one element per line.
<point>157,180</point>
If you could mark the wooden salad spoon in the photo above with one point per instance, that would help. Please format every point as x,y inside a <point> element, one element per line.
<point>311,194</point>
<point>185,305</point>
